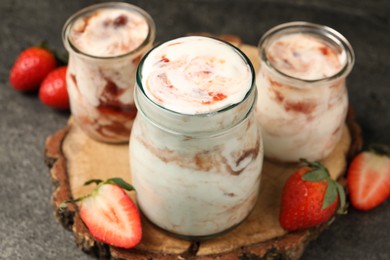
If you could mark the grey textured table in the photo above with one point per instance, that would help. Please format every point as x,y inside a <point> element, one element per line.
<point>27,227</point>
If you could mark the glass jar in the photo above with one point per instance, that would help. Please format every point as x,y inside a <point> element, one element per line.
<point>303,99</point>
<point>105,44</point>
<point>196,175</point>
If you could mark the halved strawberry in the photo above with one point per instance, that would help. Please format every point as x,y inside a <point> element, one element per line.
<point>368,178</point>
<point>110,215</point>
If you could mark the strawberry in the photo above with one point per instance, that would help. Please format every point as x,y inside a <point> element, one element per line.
<point>368,178</point>
<point>310,197</point>
<point>109,214</point>
<point>31,67</point>
<point>53,92</point>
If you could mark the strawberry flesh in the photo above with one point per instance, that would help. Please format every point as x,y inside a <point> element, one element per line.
<point>368,180</point>
<point>112,217</point>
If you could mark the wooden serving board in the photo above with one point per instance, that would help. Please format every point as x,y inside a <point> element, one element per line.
<point>74,158</point>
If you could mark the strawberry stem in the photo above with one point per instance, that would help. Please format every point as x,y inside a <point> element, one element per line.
<point>64,204</point>
<point>96,181</point>
<point>115,181</point>
<point>310,164</point>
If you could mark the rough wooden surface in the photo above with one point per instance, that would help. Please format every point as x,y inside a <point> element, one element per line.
<point>74,158</point>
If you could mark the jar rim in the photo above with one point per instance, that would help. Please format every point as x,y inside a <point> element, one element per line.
<point>108,5</point>
<point>331,35</point>
<point>243,56</point>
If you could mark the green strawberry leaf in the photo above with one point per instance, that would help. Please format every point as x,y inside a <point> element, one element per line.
<point>330,194</point>
<point>315,175</point>
<point>342,199</point>
<point>318,172</point>
<point>121,183</point>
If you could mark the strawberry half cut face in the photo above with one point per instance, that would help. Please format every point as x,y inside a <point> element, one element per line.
<point>109,213</point>
<point>112,217</point>
<point>369,178</point>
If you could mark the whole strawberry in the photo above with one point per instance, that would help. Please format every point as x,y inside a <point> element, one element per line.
<point>109,214</point>
<point>30,68</point>
<point>53,91</point>
<point>310,197</point>
<point>368,178</point>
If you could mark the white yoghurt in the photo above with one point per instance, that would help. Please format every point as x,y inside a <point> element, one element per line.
<point>195,75</point>
<point>305,57</point>
<point>109,32</point>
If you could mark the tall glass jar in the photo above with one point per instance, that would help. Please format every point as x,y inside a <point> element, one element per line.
<point>105,44</point>
<point>196,175</point>
<point>303,99</point>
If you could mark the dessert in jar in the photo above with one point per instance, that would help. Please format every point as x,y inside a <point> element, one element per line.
<point>303,99</point>
<point>105,44</point>
<point>195,147</point>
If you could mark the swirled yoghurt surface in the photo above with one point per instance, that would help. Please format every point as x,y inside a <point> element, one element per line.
<point>195,75</point>
<point>305,56</point>
<point>109,32</point>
